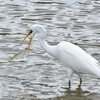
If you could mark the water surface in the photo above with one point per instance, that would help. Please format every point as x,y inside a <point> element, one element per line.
<point>39,76</point>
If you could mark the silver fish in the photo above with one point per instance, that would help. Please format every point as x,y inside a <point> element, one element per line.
<point>19,55</point>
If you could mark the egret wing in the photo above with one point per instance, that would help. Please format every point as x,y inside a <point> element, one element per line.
<point>77,59</point>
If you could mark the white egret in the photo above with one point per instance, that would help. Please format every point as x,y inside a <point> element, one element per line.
<point>73,57</point>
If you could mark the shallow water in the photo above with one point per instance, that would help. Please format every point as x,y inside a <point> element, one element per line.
<point>39,76</point>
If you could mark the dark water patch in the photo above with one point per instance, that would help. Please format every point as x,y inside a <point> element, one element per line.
<point>5,30</point>
<point>48,2</point>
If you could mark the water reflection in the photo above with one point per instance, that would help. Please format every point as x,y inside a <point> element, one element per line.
<point>78,94</point>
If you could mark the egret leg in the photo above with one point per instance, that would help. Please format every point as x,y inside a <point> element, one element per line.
<point>69,83</point>
<point>79,86</point>
<point>80,80</point>
<point>70,73</point>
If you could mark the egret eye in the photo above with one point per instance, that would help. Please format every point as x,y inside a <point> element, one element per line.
<point>30,31</point>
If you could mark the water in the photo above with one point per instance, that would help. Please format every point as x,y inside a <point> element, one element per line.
<point>39,76</point>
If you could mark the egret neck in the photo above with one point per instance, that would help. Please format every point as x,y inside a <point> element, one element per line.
<point>50,49</point>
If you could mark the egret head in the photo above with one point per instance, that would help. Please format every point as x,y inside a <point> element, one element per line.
<point>32,31</point>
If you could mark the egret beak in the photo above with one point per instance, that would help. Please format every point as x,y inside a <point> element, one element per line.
<point>27,37</point>
<point>29,43</point>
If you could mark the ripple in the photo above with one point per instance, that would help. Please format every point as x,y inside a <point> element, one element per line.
<point>39,76</point>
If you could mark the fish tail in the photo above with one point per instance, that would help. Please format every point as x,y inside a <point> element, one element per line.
<point>9,59</point>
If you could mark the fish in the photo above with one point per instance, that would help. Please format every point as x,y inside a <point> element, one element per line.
<point>21,54</point>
